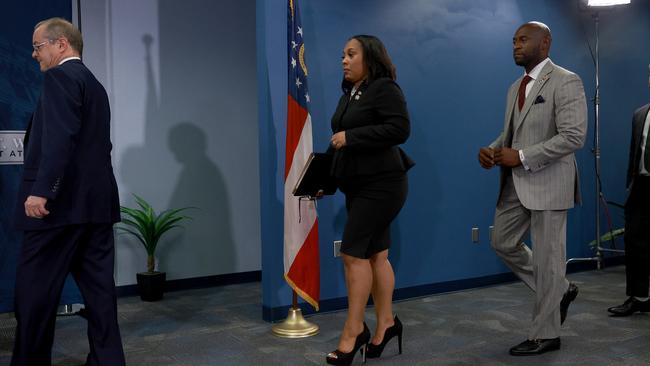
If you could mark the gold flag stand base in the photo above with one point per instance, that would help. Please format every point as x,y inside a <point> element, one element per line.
<point>295,326</point>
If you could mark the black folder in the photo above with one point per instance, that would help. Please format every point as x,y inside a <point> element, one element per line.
<point>315,179</point>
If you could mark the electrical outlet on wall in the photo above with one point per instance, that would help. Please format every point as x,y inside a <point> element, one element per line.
<point>475,235</point>
<point>337,248</point>
<point>491,228</point>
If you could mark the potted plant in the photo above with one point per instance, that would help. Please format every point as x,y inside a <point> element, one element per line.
<point>148,227</point>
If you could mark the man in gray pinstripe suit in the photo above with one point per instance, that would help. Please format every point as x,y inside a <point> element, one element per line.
<point>545,122</point>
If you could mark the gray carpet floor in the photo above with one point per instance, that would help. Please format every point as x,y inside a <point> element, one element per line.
<point>223,326</point>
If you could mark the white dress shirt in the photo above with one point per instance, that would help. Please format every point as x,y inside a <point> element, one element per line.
<point>68,59</point>
<point>533,74</point>
<point>643,170</point>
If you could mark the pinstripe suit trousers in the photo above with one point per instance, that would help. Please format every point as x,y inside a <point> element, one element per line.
<point>543,268</point>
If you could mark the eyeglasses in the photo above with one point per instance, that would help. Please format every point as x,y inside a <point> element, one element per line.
<point>37,47</point>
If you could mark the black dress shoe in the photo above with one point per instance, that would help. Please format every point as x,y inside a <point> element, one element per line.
<point>535,347</point>
<point>630,306</point>
<point>570,295</point>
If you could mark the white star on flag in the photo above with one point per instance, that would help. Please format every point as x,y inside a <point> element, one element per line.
<point>298,82</point>
<point>294,44</point>
<point>307,97</point>
<point>293,62</point>
<point>299,31</point>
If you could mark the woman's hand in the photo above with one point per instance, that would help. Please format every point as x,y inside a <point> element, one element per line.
<point>338,140</point>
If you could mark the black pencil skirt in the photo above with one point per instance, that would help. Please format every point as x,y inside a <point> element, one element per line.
<point>372,203</point>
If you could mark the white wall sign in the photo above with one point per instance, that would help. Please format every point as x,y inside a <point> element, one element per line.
<point>11,147</point>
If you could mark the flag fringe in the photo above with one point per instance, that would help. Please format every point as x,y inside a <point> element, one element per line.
<point>301,293</point>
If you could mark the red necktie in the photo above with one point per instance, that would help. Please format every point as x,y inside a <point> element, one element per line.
<point>522,91</point>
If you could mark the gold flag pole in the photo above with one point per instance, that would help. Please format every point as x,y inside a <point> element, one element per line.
<point>295,325</point>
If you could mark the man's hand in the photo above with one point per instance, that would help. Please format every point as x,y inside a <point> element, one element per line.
<point>506,157</point>
<point>486,157</point>
<point>35,207</point>
<point>338,140</point>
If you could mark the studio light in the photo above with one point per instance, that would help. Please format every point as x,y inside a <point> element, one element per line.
<point>607,2</point>
<point>600,198</point>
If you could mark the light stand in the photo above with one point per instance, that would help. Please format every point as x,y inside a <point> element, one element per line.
<point>596,151</point>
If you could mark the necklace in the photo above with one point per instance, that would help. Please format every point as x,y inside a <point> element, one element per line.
<point>356,93</point>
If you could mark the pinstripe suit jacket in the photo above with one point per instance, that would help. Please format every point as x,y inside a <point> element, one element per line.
<point>551,125</point>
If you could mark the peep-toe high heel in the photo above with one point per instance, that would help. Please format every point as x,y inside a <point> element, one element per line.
<point>339,358</point>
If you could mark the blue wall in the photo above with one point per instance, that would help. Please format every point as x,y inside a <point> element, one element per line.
<point>20,84</point>
<point>454,63</point>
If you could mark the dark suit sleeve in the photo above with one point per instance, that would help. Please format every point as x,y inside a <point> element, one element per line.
<point>61,118</point>
<point>392,125</point>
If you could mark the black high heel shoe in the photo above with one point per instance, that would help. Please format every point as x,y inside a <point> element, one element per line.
<point>375,350</point>
<point>345,359</point>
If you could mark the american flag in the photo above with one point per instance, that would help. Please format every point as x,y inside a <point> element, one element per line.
<point>301,259</point>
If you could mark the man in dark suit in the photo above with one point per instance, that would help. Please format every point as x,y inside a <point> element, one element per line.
<point>68,203</point>
<point>637,218</point>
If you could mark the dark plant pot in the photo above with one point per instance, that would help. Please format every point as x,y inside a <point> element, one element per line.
<point>151,285</point>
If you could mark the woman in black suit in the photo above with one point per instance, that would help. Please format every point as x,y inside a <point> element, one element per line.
<point>370,122</point>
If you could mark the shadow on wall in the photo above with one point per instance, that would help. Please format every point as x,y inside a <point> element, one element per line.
<point>200,184</point>
<point>139,169</point>
<point>138,160</point>
<point>207,243</point>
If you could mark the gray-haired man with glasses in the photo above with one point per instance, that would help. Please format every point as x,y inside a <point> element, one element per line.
<point>68,203</point>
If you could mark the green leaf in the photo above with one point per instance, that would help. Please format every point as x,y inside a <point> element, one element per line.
<point>138,216</point>
<point>134,233</point>
<point>141,202</point>
<point>130,222</point>
<point>169,224</point>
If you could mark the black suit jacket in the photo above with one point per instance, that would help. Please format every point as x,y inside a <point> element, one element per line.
<point>638,120</point>
<point>68,152</point>
<point>375,121</point>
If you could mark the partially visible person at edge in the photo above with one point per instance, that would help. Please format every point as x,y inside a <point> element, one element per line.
<point>67,204</point>
<point>637,218</point>
<point>369,123</point>
<point>545,123</point>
